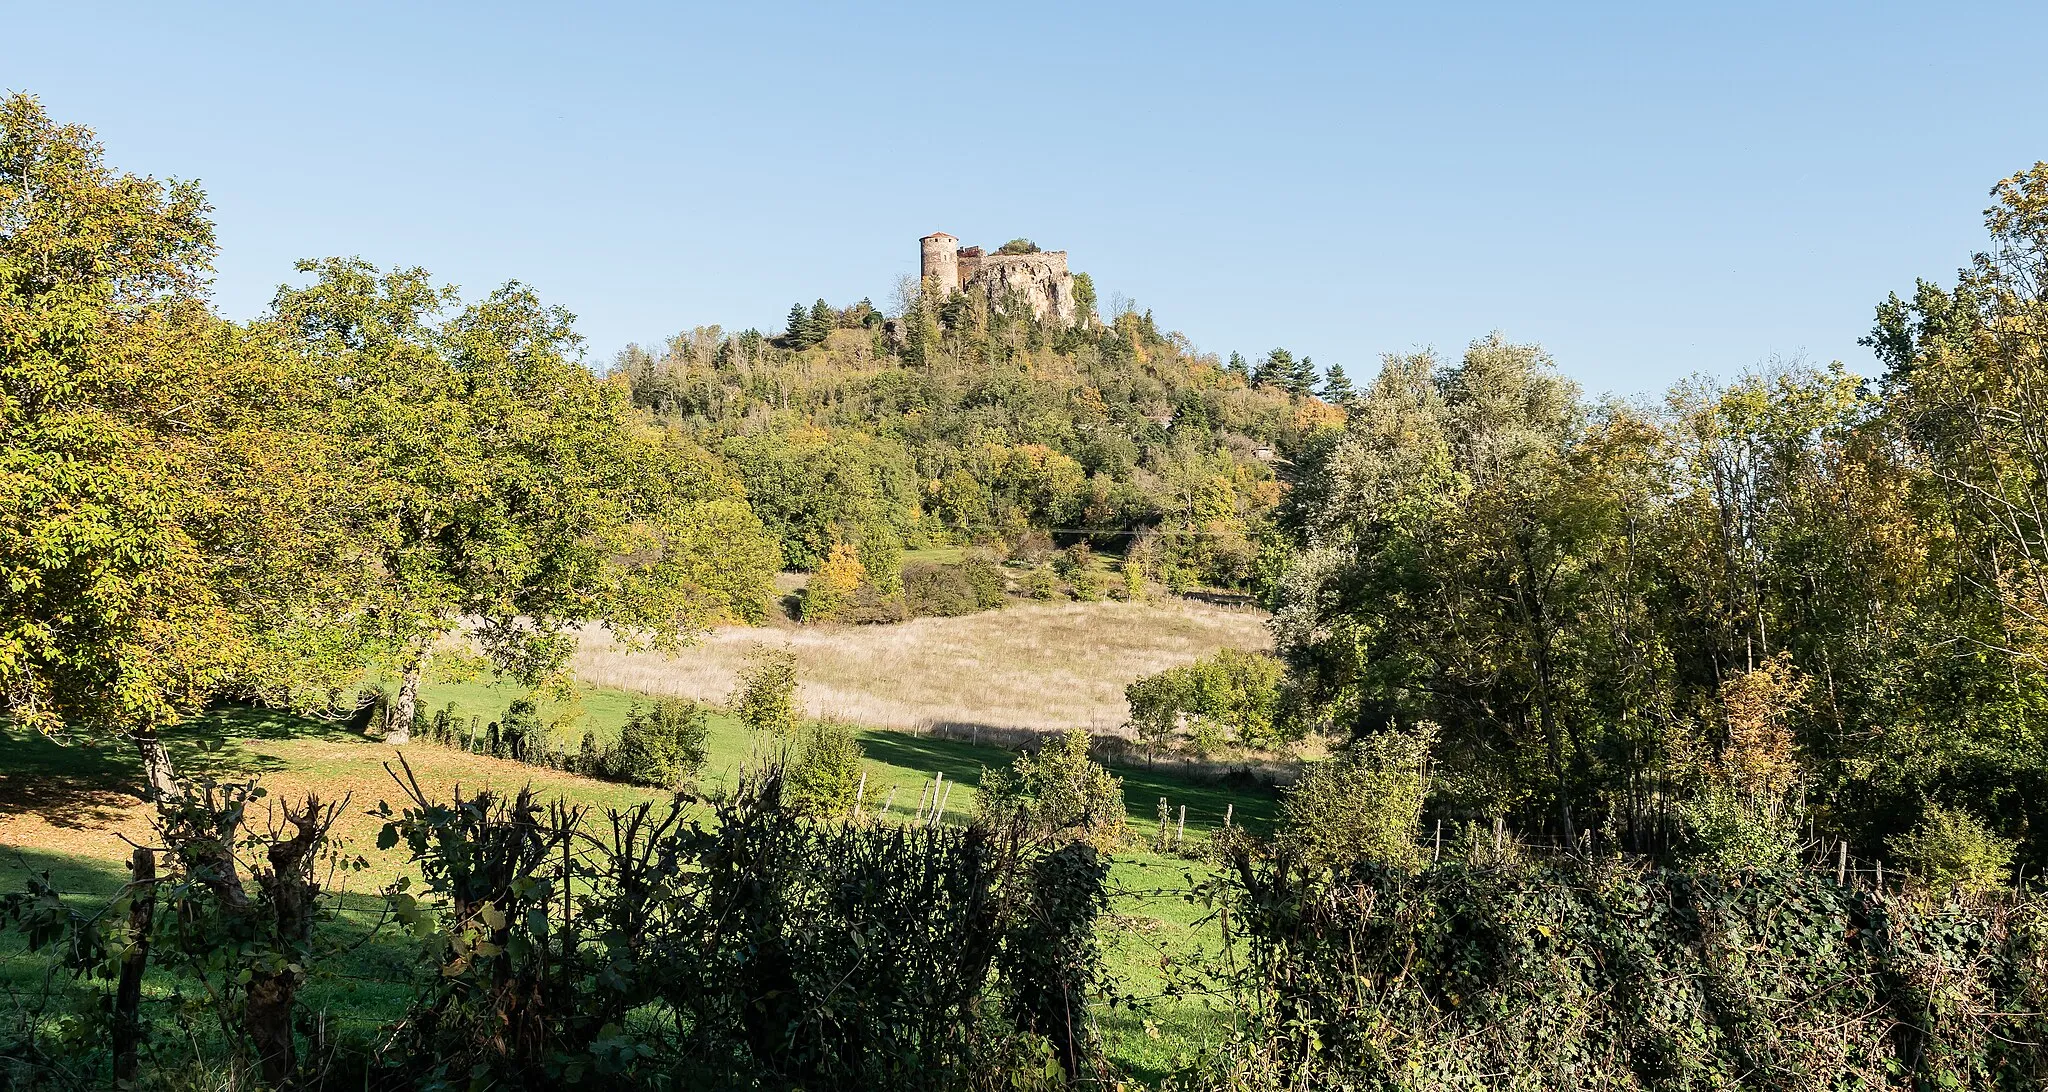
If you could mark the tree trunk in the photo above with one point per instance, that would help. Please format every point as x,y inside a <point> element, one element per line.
<point>128,995</point>
<point>160,778</point>
<point>398,722</point>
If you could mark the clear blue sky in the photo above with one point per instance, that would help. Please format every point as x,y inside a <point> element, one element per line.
<point>1647,191</point>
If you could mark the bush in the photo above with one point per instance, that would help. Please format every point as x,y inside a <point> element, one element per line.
<point>823,771</point>
<point>1599,973</point>
<point>1730,832</point>
<point>1362,807</point>
<point>871,606</point>
<point>938,591</point>
<point>1954,849</point>
<point>766,700</point>
<point>1032,547</point>
<point>1089,586</point>
<point>1236,692</point>
<point>832,587</point>
<point>1055,793</point>
<point>662,746</point>
<point>1040,583</point>
<point>521,737</point>
<point>1073,559</point>
<point>985,574</point>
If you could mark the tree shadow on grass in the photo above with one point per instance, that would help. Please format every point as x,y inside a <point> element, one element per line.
<point>91,784</point>
<point>959,761</point>
<point>1253,805</point>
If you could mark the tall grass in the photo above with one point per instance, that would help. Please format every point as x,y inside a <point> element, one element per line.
<point>1029,668</point>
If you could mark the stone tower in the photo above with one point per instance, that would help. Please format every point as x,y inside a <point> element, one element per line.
<point>940,260</point>
<point>1039,279</point>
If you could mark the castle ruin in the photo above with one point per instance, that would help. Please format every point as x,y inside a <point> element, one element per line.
<point>1039,278</point>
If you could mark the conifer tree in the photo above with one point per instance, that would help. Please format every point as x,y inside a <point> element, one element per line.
<point>1275,370</point>
<point>1337,387</point>
<point>799,326</point>
<point>1238,366</point>
<point>822,321</point>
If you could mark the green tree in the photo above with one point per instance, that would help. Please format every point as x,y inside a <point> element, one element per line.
<point>1337,387</point>
<point>507,484</point>
<point>1084,300</point>
<point>171,517</point>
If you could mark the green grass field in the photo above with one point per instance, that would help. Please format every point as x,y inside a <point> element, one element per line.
<point>63,809</point>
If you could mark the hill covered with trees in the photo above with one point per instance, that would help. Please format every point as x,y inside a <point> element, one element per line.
<point>954,422</point>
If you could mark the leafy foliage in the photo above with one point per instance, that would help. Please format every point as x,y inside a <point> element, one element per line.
<point>1056,792</point>
<point>662,745</point>
<point>1361,806</point>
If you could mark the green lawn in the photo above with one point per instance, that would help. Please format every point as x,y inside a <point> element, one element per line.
<point>59,805</point>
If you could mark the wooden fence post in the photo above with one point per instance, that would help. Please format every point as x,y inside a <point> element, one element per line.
<point>887,804</point>
<point>1180,832</point>
<point>939,812</point>
<point>1842,861</point>
<point>1437,850</point>
<point>1227,810</point>
<point>859,793</point>
<point>128,995</point>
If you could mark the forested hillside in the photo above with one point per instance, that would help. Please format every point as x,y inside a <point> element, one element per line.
<point>950,423</point>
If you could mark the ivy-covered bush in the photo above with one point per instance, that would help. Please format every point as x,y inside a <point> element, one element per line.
<point>1610,974</point>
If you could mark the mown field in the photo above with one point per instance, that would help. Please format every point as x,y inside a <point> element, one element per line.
<point>68,809</point>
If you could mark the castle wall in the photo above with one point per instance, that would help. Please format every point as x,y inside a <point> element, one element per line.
<point>1041,280</point>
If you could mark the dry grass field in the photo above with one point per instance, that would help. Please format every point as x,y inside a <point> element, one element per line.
<point>1029,667</point>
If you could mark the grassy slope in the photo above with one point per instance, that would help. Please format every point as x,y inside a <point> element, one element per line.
<point>64,809</point>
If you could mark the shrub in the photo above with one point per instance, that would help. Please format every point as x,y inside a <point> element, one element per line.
<point>1134,582</point>
<point>1055,793</point>
<point>766,700</point>
<point>871,606</point>
<point>1032,547</point>
<point>1596,973</point>
<point>823,771</point>
<point>1236,692</point>
<point>832,587</point>
<point>1073,559</point>
<point>1729,831</point>
<point>1954,849</point>
<point>1018,246</point>
<point>985,574</point>
<point>1361,807</point>
<point>662,746</point>
<point>1040,583</point>
<point>938,591</point>
<point>1088,585</point>
<point>521,736</point>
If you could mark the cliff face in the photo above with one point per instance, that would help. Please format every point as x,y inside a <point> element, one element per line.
<point>1040,280</point>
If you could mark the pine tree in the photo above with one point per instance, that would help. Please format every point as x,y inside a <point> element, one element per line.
<point>1301,379</point>
<point>1337,387</point>
<point>1275,370</point>
<point>822,322</point>
<point>799,326</point>
<point>1237,366</point>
